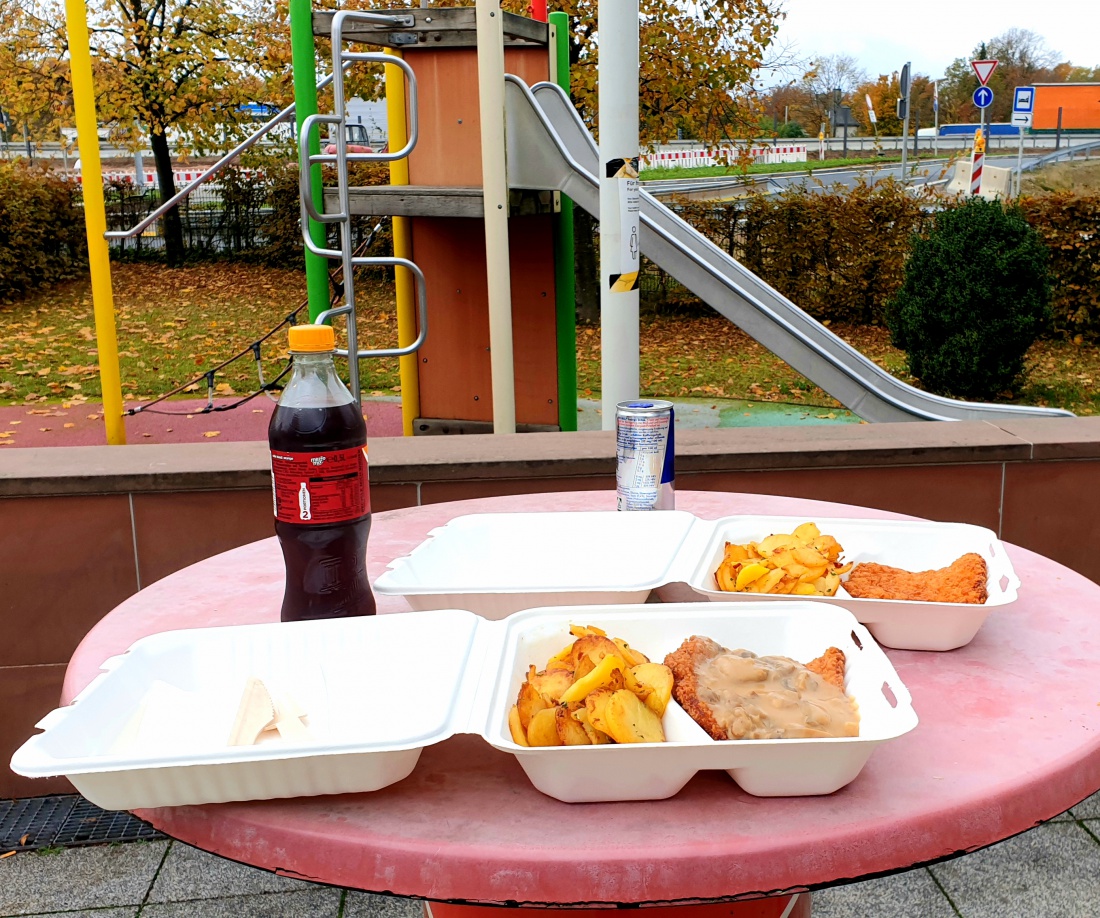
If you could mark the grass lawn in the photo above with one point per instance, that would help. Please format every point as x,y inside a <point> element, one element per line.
<point>175,325</point>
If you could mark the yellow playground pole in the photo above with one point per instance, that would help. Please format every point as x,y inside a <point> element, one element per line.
<point>402,248</point>
<point>95,219</point>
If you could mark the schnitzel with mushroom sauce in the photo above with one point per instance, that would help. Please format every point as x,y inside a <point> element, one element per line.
<point>735,694</point>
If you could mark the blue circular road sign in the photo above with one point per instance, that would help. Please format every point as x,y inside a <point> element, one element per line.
<point>983,97</point>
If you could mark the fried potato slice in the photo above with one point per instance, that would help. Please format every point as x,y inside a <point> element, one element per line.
<point>515,727</point>
<point>543,729</point>
<point>595,704</point>
<point>631,656</point>
<point>595,647</point>
<point>603,676</point>
<point>551,684</point>
<point>595,737</point>
<point>628,720</point>
<point>570,733</point>
<point>529,703</point>
<point>652,683</point>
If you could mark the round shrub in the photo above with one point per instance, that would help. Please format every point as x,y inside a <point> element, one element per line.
<point>975,297</point>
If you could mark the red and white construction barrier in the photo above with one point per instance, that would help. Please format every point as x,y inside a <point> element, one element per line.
<point>183,177</point>
<point>690,159</point>
<point>976,172</point>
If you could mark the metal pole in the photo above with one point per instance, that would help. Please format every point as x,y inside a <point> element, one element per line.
<point>1020,160</point>
<point>565,276</point>
<point>494,179</point>
<point>397,135</point>
<point>916,137</point>
<point>619,204</point>
<point>936,117</point>
<point>95,220</point>
<point>1057,138</point>
<point>30,151</point>
<point>905,130</point>
<point>304,63</point>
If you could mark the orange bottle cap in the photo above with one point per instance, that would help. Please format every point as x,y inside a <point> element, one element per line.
<point>312,338</point>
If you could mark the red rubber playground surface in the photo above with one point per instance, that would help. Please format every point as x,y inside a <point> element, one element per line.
<point>81,423</point>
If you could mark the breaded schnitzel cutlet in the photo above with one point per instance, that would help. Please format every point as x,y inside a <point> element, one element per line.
<point>964,580</point>
<point>685,662</point>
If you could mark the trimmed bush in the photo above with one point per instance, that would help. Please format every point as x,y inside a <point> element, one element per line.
<point>1069,224</point>
<point>976,295</point>
<point>42,237</point>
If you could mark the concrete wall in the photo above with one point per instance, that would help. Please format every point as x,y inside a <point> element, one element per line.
<point>83,528</point>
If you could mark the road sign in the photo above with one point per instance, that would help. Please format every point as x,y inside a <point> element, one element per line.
<point>870,108</point>
<point>1024,99</point>
<point>983,97</point>
<point>903,82</point>
<point>1022,119</point>
<point>984,70</point>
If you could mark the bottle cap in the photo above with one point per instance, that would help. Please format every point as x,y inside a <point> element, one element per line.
<point>312,338</point>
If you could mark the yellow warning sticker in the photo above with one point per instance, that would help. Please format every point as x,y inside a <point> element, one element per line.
<point>624,283</point>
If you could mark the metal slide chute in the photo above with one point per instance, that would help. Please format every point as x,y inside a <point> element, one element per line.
<point>550,148</point>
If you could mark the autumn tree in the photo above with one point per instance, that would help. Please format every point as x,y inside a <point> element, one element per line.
<point>1024,59</point>
<point>827,79</point>
<point>161,68</point>
<point>883,93</point>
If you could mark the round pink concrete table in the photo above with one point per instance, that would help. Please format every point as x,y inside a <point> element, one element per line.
<point>1009,736</point>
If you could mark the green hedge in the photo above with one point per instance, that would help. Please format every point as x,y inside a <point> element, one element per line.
<point>42,237</point>
<point>842,256</point>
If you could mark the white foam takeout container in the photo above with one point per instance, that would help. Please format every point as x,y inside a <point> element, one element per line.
<point>151,729</point>
<point>495,564</point>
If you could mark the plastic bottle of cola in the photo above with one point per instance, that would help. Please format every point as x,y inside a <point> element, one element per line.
<point>318,443</point>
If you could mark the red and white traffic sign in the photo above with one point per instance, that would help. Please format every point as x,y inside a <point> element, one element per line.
<point>984,70</point>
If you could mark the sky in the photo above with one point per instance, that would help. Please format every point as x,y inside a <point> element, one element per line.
<point>882,36</point>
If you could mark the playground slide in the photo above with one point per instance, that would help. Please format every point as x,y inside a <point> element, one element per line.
<point>549,147</point>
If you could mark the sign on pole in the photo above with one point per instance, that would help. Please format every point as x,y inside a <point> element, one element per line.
<point>984,70</point>
<point>870,109</point>
<point>1023,104</point>
<point>983,97</point>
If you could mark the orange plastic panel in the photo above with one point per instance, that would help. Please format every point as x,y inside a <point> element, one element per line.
<point>453,364</point>
<point>449,149</point>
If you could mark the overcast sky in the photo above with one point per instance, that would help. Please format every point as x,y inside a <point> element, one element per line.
<point>882,36</point>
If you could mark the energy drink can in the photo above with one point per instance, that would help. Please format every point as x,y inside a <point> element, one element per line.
<point>644,471</point>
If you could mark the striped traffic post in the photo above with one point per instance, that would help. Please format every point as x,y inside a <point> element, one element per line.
<point>976,162</point>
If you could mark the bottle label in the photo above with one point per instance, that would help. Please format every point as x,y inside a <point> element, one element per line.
<point>320,488</point>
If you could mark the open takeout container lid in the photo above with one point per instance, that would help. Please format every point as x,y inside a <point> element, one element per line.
<point>498,563</point>
<point>152,729</point>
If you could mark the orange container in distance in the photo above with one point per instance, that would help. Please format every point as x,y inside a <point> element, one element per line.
<point>318,442</point>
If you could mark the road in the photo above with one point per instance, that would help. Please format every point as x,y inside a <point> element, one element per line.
<point>817,179</point>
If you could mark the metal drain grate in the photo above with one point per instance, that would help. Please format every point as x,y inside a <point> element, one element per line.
<point>65,821</point>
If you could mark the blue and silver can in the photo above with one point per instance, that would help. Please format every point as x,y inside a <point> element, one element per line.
<point>644,471</point>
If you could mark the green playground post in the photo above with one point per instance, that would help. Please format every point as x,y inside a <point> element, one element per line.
<point>564,276</point>
<point>304,61</point>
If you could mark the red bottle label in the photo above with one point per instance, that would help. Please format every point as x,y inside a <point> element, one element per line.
<point>320,488</point>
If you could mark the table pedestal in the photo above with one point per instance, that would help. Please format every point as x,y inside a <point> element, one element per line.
<point>795,906</point>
